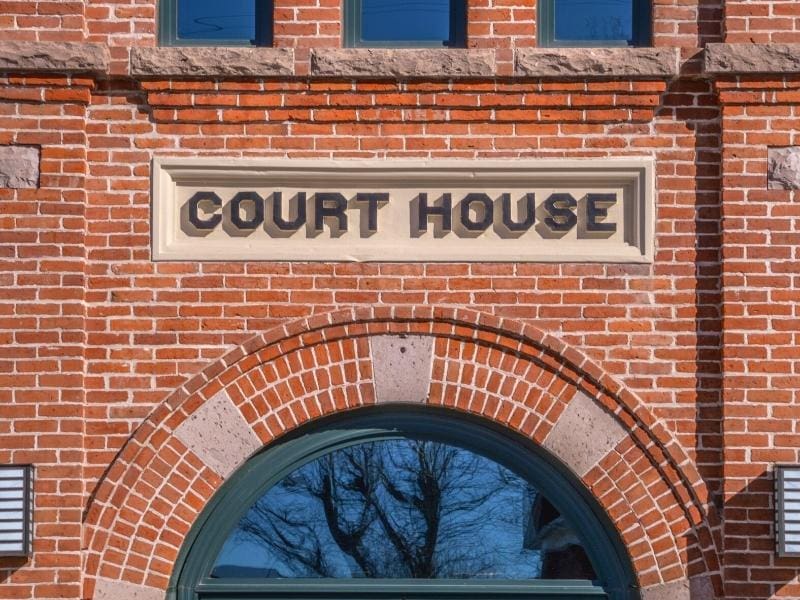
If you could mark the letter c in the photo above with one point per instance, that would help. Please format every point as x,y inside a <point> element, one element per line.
<point>194,211</point>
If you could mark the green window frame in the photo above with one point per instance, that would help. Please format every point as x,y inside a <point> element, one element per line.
<point>642,28</point>
<point>191,577</point>
<point>168,27</point>
<point>352,37</point>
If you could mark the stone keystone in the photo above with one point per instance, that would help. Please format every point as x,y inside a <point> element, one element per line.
<point>401,367</point>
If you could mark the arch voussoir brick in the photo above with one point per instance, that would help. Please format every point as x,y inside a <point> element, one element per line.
<point>504,371</point>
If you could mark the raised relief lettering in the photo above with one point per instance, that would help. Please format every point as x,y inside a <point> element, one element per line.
<point>208,203</point>
<point>561,211</point>
<point>526,213</point>
<point>442,212</point>
<point>331,208</point>
<point>246,211</point>
<point>482,206</point>
<point>370,203</point>
<point>298,207</point>
<point>515,211</point>
<point>597,206</point>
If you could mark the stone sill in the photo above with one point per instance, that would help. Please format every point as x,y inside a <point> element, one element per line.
<point>195,61</point>
<point>412,63</point>
<point>596,63</point>
<point>406,63</point>
<point>743,59</point>
<point>53,57</point>
<point>534,63</point>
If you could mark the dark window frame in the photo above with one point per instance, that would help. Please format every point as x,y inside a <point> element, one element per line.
<point>351,29</point>
<point>191,580</point>
<point>642,28</point>
<point>168,27</point>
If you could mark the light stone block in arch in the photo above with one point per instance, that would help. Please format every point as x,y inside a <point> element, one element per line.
<point>401,367</point>
<point>584,434</point>
<point>107,589</point>
<point>694,588</point>
<point>219,435</point>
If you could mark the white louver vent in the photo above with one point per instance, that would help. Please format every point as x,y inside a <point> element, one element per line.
<point>787,509</point>
<point>16,509</point>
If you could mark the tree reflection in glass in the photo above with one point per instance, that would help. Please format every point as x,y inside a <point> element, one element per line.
<point>403,508</point>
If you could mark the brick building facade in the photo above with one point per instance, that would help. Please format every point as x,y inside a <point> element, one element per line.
<point>106,354</point>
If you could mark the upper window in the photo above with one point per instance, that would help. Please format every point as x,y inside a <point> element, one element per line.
<point>215,22</point>
<point>594,23</point>
<point>411,23</point>
<point>401,504</point>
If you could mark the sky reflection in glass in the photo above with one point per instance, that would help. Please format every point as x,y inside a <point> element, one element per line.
<point>216,19</point>
<point>577,20</point>
<point>410,20</point>
<point>403,508</point>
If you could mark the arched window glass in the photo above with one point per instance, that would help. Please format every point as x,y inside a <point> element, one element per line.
<point>403,509</point>
<point>402,504</point>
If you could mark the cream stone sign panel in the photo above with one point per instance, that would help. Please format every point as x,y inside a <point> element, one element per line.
<point>555,210</point>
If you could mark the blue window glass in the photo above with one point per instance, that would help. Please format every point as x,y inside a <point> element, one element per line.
<point>594,23</point>
<point>403,509</point>
<point>217,20</point>
<point>389,20</point>
<point>407,23</point>
<point>589,20</point>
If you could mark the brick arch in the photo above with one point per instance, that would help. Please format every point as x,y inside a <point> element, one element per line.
<point>503,370</point>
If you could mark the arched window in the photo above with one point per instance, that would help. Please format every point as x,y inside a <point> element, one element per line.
<point>391,503</point>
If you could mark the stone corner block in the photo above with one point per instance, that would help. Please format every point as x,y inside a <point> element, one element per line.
<point>674,590</point>
<point>733,59</point>
<point>109,589</point>
<point>48,57</point>
<point>19,167</point>
<point>401,367</point>
<point>219,435</point>
<point>783,168</point>
<point>694,588</point>
<point>584,434</point>
<point>596,63</point>
<point>401,63</point>
<point>212,62</point>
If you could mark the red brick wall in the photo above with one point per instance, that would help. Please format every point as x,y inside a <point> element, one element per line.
<point>95,335</point>
<point>42,327</point>
<point>44,20</point>
<point>762,21</point>
<point>762,407</point>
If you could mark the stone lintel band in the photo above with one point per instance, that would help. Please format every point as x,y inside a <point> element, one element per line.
<point>403,63</point>
<point>596,63</point>
<point>212,61</point>
<point>745,59</point>
<point>53,57</point>
<point>419,63</point>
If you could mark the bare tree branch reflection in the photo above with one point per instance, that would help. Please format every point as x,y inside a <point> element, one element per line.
<point>409,509</point>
